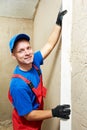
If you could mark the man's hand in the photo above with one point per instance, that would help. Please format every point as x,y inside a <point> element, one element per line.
<point>61,111</point>
<point>60,17</point>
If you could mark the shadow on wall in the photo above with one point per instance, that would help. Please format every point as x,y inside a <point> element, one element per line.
<point>48,124</point>
<point>53,65</point>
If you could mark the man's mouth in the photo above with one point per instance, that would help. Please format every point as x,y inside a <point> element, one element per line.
<point>29,57</point>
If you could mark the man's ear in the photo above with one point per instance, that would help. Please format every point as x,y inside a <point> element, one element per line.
<point>13,56</point>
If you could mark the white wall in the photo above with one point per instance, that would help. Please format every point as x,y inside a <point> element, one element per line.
<point>43,23</point>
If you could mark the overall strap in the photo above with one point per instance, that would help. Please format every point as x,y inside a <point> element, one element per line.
<point>30,84</point>
<point>37,69</point>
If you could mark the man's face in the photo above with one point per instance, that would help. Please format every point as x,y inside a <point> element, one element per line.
<point>23,52</point>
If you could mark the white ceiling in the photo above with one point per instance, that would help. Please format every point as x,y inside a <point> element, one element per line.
<point>18,8</point>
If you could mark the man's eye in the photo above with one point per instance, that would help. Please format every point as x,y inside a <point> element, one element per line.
<point>20,51</point>
<point>29,48</point>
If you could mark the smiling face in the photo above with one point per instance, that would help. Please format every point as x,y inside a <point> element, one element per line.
<point>23,53</point>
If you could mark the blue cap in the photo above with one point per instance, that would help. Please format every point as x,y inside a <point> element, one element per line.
<point>15,38</point>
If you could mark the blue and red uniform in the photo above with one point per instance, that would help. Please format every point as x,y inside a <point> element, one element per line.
<point>26,94</point>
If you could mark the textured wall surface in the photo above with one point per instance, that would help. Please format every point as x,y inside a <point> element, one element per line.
<point>8,28</point>
<point>79,65</point>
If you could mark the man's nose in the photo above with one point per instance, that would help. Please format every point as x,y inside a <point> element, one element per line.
<point>27,52</point>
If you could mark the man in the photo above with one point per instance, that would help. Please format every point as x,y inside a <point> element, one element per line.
<point>26,88</point>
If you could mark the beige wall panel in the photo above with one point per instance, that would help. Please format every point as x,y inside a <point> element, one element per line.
<point>79,65</point>
<point>43,23</point>
<point>8,28</point>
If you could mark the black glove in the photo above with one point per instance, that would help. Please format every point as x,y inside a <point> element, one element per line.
<point>60,17</point>
<point>62,111</point>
